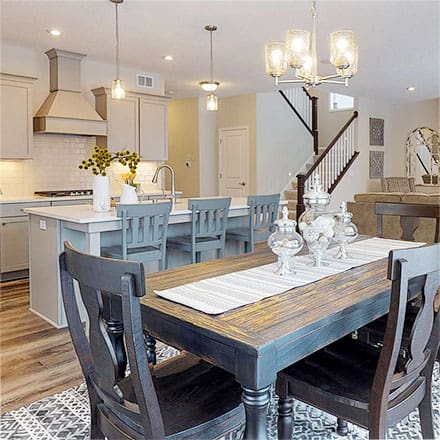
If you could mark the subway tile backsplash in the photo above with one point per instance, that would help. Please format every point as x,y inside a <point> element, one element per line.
<point>54,165</point>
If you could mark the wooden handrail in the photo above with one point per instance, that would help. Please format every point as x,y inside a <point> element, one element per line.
<point>333,142</point>
<point>296,112</point>
<point>308,94</point>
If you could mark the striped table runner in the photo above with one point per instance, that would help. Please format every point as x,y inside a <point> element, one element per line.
<point>226,292</point>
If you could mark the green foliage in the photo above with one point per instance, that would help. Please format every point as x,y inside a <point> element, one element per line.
<point>102,158</point>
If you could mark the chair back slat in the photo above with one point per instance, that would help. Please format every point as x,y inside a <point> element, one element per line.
<point>395,380</point>
<point>144,225</point>
<point>208,217</point>
<point>110,286</point>
<point>410,214</point>
<point>263,212</point>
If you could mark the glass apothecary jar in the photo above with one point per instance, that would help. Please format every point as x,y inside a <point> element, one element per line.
<point>286,243</point>
<point>345,230</point>
<point>315,224</point>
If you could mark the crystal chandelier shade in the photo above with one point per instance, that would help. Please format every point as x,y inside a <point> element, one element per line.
<point>299,52</point>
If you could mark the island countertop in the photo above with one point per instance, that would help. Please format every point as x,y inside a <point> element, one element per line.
<point>85,214</point>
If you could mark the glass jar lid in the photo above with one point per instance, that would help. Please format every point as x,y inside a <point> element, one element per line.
<point>316,196</point>
<point>285,224</point>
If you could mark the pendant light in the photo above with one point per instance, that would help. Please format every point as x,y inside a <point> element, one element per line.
<point>211,85</point>
<point>118,86</point>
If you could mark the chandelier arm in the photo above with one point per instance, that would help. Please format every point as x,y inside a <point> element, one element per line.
<point>286,81</point>
<point>324,78</point>
<point>343,83</point>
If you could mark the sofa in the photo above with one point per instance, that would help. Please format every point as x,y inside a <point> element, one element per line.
<point>365,219</point>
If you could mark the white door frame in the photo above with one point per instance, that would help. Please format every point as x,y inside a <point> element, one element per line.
<point>220,162</point>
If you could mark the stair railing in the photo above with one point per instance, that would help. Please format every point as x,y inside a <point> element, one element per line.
<point>332,164</point>
<point>305,106</point>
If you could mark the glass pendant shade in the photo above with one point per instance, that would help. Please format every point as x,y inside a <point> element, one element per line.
<point>353,68</point>
<point>118,89</point>
<point>211,103</point>
<point>275,56</point>
<point>209,86</point>
<point>306,69</point>
<point>342,48</point>
<point>297,47</point>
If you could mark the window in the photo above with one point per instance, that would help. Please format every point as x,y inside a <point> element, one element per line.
<point>339,102</point>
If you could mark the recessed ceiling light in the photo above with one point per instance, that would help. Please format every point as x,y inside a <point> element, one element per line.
<point>168,58</point>
<point>410,89</point>
<point>54,32</point>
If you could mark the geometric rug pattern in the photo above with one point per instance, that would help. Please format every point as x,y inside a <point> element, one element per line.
<point>66,416</point>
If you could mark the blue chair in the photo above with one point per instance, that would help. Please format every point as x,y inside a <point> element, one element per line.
<point>263,211</point>
<point>208,228</point>
<point>144,233</point>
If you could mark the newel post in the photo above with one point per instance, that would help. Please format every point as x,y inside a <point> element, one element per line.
<point>300,188</point>
<point>315,123</point>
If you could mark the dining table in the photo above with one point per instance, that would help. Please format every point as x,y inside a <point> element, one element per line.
<point>256,341</point>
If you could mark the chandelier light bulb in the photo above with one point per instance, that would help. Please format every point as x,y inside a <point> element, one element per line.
<point>299,52</point>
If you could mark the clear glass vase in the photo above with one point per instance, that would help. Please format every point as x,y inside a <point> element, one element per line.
<point>345,231</point>
<point>286,243</point>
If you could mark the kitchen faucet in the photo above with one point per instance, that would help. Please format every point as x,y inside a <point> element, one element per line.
<point>173,180</point>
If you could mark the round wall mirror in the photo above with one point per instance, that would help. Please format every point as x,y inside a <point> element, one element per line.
<point>422,155</point>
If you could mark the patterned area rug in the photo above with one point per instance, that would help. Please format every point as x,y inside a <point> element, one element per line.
<point>66,416</point>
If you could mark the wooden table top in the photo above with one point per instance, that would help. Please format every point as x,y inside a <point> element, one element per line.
<point>278,319</point>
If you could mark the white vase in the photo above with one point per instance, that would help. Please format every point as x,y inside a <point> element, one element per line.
<point>128,195</point>
<point>101,193</point>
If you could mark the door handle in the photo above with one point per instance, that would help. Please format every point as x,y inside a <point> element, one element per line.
<point>242,183</point>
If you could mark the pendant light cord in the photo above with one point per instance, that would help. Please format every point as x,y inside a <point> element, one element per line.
<point>210,54</point>
<point>117,42</point>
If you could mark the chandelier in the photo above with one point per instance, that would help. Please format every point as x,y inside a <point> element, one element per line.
<point>118,86</point>
<point>299,51</point>
<point>211,85</point>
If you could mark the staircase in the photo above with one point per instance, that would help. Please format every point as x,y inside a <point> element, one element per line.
<point>331,163</point>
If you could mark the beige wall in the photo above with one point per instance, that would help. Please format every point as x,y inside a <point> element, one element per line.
<point>240,111</point>
<point>183,144</point>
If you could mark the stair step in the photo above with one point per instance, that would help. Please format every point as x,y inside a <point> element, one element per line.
<point>294,184</point>
<point>292,214</point>
<point>291,205</point>
<point>291,194</point>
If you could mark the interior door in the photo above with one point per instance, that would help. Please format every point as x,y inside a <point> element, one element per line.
<point>234,162</point>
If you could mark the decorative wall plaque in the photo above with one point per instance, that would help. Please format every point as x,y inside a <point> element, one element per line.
<point>376,164</point>
<point>376,131</point>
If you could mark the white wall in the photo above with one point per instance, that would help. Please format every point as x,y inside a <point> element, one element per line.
<point>208,151</point>
<point>406,118</point>
<point>31,62</point>
<point>357,178</point>
<point>283,144</point>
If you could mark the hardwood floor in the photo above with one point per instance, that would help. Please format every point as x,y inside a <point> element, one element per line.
<point>36,359</point>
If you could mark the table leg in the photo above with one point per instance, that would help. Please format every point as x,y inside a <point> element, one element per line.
<point>256,403</point>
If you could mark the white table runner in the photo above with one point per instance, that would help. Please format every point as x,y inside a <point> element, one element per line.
<point>226,292</point>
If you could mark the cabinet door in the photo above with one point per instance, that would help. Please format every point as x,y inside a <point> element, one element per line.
<point>14,244</point>
<point>123,124</point>
<point>15,120</point>
<point>153,129</point>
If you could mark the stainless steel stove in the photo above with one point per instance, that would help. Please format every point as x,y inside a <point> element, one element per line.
<point>64,193</point>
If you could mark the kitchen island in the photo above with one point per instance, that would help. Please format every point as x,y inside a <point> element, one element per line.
<point>50,226</point>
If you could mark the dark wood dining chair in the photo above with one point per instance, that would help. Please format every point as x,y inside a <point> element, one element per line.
<point>263,211</point>
<point>208,228</point>
<point>143,233</point>
<point>375,387</point>
<point>180,398</point>
<point>410,215</point>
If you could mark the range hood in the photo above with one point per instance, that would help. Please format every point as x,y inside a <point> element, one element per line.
<point>65,110</point>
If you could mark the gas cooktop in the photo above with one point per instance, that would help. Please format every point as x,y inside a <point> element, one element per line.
<point>64,193</point>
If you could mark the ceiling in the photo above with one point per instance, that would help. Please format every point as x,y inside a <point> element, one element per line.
<point>398,40</point>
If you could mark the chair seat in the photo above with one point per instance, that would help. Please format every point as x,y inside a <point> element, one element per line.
<point>116,252</point>
<point>184,242</point>
<point>192,393</point>
<point>332,369</point>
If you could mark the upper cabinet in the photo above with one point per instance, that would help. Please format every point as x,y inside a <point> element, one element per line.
<point>16,116</point>
<point>139,122</point>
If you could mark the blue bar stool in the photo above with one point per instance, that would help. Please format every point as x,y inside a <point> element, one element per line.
<point>208,228</point>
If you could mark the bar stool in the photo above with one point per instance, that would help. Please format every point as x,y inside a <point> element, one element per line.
<point>144,233</point>
<point>208,228</point>
<point>263,211</point>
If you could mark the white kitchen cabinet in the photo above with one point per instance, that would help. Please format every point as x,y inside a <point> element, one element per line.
<point>137,123</point>
<point>14,244</point>
<point>16,116</point>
